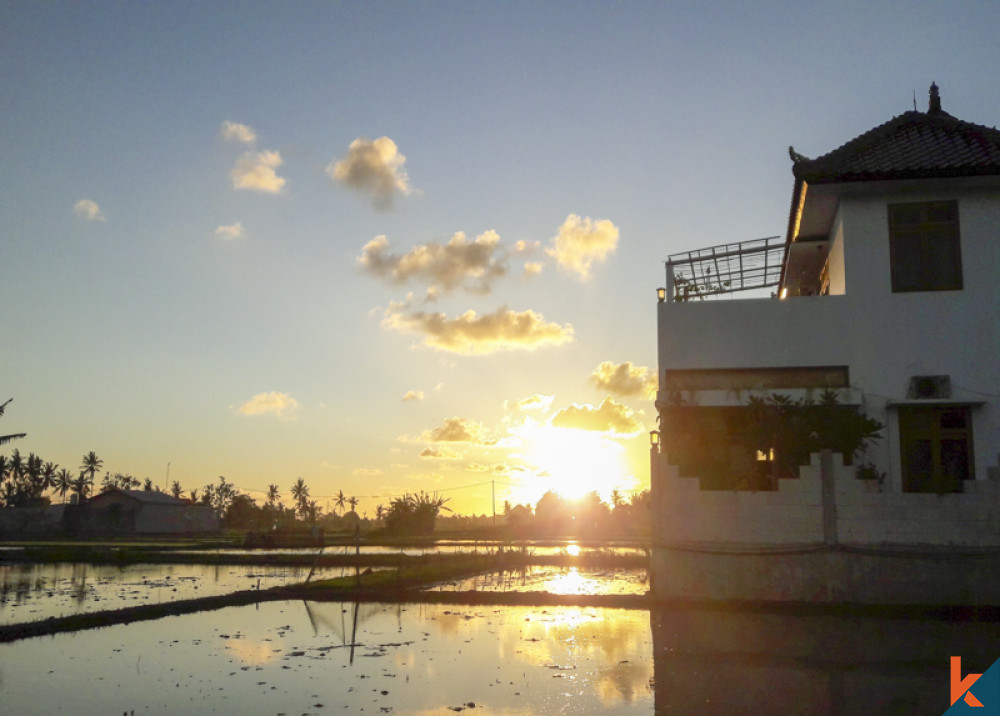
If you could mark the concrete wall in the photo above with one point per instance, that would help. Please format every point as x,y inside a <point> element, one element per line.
<point>833,540</point>
<point>883,337</point>
<point>794,514</point>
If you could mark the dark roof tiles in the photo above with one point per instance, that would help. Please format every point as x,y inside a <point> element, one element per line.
<point>912,145</point>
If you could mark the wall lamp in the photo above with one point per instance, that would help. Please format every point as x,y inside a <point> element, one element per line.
<point>661,294</point>
<point>654,438</point>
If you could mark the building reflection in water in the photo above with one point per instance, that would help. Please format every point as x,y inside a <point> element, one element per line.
<point>753,663</point>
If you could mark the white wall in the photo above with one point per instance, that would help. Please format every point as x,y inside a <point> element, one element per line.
<point>883,337</point>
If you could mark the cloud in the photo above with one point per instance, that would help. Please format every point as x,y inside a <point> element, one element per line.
<point>535,402</point>
<point>623,379</point>
<point>533,268</point>
<point>439,453</point>
<point>413,395</point>
<point>457,430</point>
<point>363,471</point>
<point>472,334</point>
<point>281,405</point>
<point>230,232</point>
<point>89,210</point>
<point>255,171</point>
<point>581,242</point>
<point>611,417</point>
<point>460,263</point>
<point>235,132</point>
<point>375,168</point>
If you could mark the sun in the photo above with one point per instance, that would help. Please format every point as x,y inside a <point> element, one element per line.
<point>574,462</point>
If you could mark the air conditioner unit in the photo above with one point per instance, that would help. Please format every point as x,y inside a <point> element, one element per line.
<point>929,387</point>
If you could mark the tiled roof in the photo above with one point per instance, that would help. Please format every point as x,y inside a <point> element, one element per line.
<point>912,145</point>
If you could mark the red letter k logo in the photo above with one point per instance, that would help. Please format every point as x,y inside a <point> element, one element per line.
<point>961,686</point>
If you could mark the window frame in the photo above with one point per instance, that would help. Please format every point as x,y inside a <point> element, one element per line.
<point>923,244</point>
<point>936,433</point>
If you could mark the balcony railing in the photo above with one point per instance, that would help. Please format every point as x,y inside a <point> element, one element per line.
<point>719,271</point>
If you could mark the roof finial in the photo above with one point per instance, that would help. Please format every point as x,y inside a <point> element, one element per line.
<point>935,103</point>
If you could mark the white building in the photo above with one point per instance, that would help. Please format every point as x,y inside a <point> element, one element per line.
<point>883,291</point>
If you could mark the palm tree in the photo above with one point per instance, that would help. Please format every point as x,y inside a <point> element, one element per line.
<point>83,484</point>
<point>13,436</point>
<point>273,494</point>
<point>175,489</point>
<point>617,499</point>
<point>91,463</point>
<point>353,502</point>
<point>194,495</point>
<point>339,501</point>
<point>379,512</point>
<point>63,483</point>
<point>300,493</point>
<point>49,475</point>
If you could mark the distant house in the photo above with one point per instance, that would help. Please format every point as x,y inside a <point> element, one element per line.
<point>883,296</point>
<point>142,512</point>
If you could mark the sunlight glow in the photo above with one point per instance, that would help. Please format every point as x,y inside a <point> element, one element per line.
<point>573,462</point>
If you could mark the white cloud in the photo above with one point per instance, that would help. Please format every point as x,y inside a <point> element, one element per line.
<point>460,263</point>
<point>413,395</point>
<point>373,167</point>
<point>624,379</point>
<point>610,417</point>
<point>274,403</point>
<point>533,268</point>
<point>256,171</point>
<point>472,334</point>
<point>581,242</point>
<point>88,209</point>
<point>535,402</point>
<point>236,132</point>
<point>230,232</point>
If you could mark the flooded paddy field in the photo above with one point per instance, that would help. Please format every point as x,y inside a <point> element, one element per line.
<point>30,592</point>
<point>300,658</point>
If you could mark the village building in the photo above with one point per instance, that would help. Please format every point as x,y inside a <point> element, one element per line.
<point>847,416</point>
<point>141,512</point>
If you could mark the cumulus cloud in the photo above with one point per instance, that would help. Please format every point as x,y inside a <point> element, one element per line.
<point>457,430</point>
<point>413,395</point>
<point>533,268</point>
<point>236,132</point>
<point>581,242</point>
<point>535,402</point>
<point>610,417</point>
<point>623,379</point>
<point>281,405</point>
<point>256,171</point>
<point>439,453</point>
<point>472,334</point>
<point>88,209</point>
<point>460,263</point>
<point>230,232</point>
<point>375,168</point>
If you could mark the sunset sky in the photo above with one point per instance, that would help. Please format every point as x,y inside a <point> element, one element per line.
<point>388,247</point>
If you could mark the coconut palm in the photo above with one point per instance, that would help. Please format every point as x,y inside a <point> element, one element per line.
<point>617,499</point>
<point>63,483</point>
<point>300,493</point>
<point>83,484</point>
<point>91,464</point>
<point>13,436</point>
<point>273,494</point>
<point>176,490</point>
<point>353,502</point>
<point>49,475</point>
<point>340,500</point>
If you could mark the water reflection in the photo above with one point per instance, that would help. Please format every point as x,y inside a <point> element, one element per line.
<point>554,580</point>
<point>764,663</point>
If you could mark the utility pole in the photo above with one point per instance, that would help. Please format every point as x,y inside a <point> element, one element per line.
<point>493,484</point>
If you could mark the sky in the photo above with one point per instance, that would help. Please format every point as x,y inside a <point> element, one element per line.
<point>389,247</point>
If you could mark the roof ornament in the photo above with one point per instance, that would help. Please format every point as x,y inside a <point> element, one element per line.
<point>935,100</point>
<point>796,157</point>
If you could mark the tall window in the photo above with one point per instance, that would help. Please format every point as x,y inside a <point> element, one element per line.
<point>924,247</point>
<point>936,448</point>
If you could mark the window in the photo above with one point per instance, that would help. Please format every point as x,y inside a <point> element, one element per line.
<point>936,448</point>
<point>924,247</point>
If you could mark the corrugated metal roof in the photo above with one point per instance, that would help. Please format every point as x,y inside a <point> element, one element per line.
<point>150,496</point>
